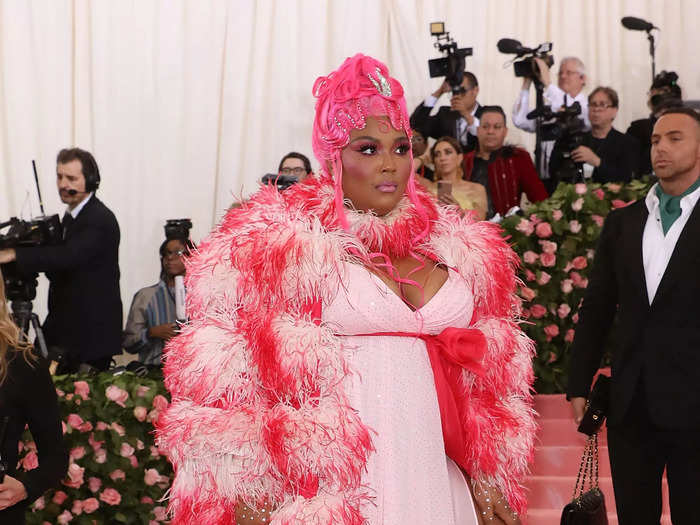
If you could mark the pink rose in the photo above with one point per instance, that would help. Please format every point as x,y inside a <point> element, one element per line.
<point>117,474</point>
<point>85,427</point>
<point>64,518</point>
<point>580,188</point>
<point>534,219</point>
<point>146,500</point>
<point>614,188</point>
<point>160,403</point>
<point>151,477</point>
<point>598,220</point>
<point>110,496</point>
<point>30,461</point>
<point>569,337</point>
<point>40,504</point>
<point>118,429</point>
<point>60,393</point>
<point>140,413</point>
<point>134,462</point>
<point>574,226</point>
<point>77,508</point>
<point>101,425</point>
<point>74,420</point>
<point>577,280</point>
<point>100,456</point>
<point>590,253</point>
<point>94,484</point>
<point>525,227</point>
<point>548,259</point>
<point>116,394</point>
<point>552,357</point>
<point>548,246</point>
<point>567,286</point>
<point>142,391</point>
<point>551,331</point>
<point>139,445</point>
<point>543,229</point>
<point>557,215</point>
<point>600,194</point>
<point>579,262</point>
<point>563,310</point>
<point>90,505</point>
<point>160,513</point>
<point>69,396</point>
<point>617,203</point>
<point>574,318</point>
<point>529,276</point>
<point>543,278</point>
<point>77,452</point>
<point>152,416</point>
<point>527,293</point>
<point>577,205</point>
<point>530,257</point>
<point>59,497</point>
<point>93,443</point>
<point>154,451</point>
<point>75,475</point>
<point>538,311</point>
<point>126,450</point>
<point>82,389</point>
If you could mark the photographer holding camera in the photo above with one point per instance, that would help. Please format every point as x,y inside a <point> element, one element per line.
<point>84,322</point>
<point>611,154</point>
<point>460,120</point>
<point>569,89</point>
<point>153,314</point>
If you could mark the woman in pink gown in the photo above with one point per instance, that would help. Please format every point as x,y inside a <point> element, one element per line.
<point>353,354</point>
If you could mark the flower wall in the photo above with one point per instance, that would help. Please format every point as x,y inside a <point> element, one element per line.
<point>556,242</point>
<point>116,473</point>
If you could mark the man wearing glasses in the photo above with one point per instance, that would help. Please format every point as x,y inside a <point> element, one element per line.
<point>611,156</point>
<point>296,165</point>
<point>460,120</point>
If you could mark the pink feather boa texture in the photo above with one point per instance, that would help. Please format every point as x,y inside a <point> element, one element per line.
<point>258,409</point>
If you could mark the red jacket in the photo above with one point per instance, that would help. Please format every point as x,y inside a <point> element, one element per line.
<point>509,177</point>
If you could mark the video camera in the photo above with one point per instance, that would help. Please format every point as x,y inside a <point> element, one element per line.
<point>177,229</point>
<point>568,130</point>
<point>452,65</point>
<point>42,231</point>
<point>281,181</point>
<point>527,67</point>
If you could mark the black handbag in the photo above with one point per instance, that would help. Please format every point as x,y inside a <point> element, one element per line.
<point>597,407</point>
<point>587,507</point>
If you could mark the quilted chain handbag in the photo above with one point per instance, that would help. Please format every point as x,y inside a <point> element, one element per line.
<point>587,507</point>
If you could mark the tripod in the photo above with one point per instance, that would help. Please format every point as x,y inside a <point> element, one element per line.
<point>24,317</point>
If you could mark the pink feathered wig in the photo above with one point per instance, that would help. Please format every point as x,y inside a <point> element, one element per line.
<point>360,88</point>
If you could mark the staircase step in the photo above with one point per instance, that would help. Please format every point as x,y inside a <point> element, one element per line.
<point>552,406</point>
<point>562,432</point>
<point>565,461</point>
<point>553,492</point>
<point>553,517</point>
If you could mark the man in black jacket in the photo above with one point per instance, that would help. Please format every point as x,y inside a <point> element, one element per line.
<point>646,272</point>
<point>85,308</point>
<point>460,120</point>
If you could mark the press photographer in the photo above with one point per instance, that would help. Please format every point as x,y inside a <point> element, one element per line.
<point>611,155</point>
<point>461,119</point>
<point>153,315</point>
<point>84,322</point>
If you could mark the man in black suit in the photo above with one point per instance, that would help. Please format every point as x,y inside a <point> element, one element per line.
<point>460,120</point>
<point>646,272</point>
<point>85,308</point>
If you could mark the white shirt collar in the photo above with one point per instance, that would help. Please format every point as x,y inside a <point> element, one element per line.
<point>75,211</point>
<point>687,202</point>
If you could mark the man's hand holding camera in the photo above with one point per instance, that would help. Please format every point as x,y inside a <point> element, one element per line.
<point>460,103</point>
<point>7,256</point>
<point>585,154</point>
<point>164,331</point>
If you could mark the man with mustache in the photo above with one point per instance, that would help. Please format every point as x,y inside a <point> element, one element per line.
<point>646,273</point>
<point>85,308</point>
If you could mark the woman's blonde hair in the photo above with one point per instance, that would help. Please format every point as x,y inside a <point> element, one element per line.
<point>10,336</point>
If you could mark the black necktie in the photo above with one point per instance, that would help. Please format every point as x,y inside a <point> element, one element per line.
<point>66,223</point>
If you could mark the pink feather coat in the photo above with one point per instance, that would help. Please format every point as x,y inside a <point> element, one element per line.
<point>258,408</point>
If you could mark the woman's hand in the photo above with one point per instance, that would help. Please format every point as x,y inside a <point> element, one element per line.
<point>164,331</point>
<point>12,491</point>
<point>247,516</point>
<point>491,506</point>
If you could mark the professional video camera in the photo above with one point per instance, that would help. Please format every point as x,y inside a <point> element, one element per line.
<point>567,129</point>
<point>451,66</point>
<point>177,229</point>
<point>527,66</point>
<point>281,181</point>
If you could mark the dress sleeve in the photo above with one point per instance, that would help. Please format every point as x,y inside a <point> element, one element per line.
<point>43,417</point>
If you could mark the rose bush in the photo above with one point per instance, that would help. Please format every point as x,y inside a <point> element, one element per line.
<point>116,473</point>
<point>556,240</point>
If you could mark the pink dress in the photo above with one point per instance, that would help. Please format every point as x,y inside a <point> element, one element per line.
<point>391,386</point>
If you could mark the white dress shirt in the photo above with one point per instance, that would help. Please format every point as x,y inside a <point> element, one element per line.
<point>75,211</point>
<point>657,248</point>
<point>463,128</point>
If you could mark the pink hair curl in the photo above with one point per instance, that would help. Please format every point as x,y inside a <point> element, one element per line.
<point>361,87</point>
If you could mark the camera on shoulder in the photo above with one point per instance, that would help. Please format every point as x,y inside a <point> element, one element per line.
<point>452,64</point>
<point>526,67</point>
